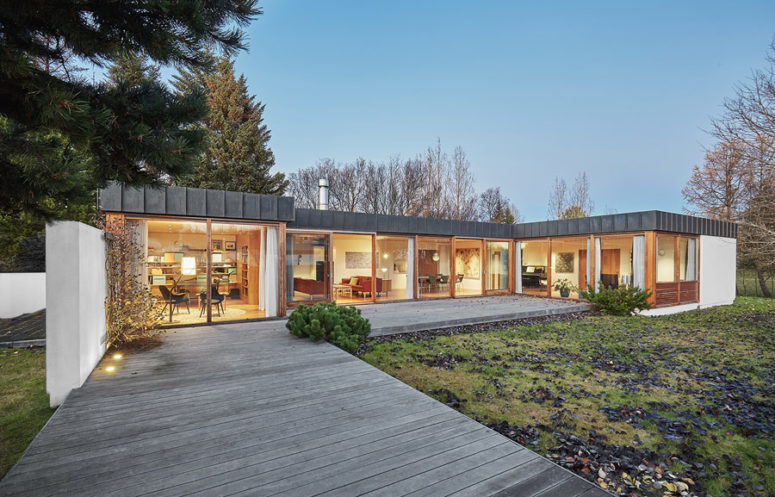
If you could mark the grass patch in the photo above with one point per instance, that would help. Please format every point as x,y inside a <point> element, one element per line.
<point>690,393</point>
<point>23,402</point>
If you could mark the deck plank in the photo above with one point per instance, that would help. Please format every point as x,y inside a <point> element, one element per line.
<point>247,409</point>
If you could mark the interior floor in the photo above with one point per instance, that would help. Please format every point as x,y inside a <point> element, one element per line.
<point>467,291</point>
<point>233,310</point>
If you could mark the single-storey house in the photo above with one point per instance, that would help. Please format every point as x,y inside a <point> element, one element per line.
<point>260,255</point>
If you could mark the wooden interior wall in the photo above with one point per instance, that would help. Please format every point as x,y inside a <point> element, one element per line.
<point>426,264</point>
<point>610,261</point>
<point>583,269</point>
<point>651,265</point>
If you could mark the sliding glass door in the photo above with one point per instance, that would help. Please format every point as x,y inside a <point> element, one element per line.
<point>307,267</point>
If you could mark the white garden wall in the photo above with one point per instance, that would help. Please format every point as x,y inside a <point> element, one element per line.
<point>718,270</point>
<point>21,293</point>
<point>75,312</point>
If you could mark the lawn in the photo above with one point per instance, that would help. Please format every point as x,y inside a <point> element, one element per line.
<point>642,406</point>
<point>23,402</point>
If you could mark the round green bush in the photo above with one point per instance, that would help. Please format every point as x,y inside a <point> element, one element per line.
<point>340,325</point>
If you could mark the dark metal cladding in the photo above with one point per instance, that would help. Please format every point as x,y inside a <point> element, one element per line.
<point>195,202</point>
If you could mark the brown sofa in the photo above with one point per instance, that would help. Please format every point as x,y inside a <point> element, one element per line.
<point>310,287</point>
<point>363,286</point>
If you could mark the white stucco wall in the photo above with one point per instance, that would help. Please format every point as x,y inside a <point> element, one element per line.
<point>75,313</point>
<point>718,270</point>
<point>21,293</point>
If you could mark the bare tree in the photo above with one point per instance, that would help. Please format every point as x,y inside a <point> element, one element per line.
<point>717,189</point>
<point>557,199</point>
<point>494,207</point>
<point>413,187</point>
<point>461,194</point>
<point>347,188</point>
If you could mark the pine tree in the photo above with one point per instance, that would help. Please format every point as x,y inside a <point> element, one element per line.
<point>237,156</point>
<point>135,133</point>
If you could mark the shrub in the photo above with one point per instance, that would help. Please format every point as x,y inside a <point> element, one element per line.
<point>340,325</point>
<point>622,301</point>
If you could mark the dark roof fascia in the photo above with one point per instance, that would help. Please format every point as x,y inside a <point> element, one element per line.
<point>195,202</point>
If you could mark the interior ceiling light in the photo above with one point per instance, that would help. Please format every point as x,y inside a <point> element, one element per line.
<point>435,257</point>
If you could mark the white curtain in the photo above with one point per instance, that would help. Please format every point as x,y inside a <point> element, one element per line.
<point>262,270</point>
<point>587,275</point>
<point>691,259</point>
<point>270,273</point>
<point>518,267</point>
<point>639,261</point>
<point>597,262</point>
<point>410,279</point>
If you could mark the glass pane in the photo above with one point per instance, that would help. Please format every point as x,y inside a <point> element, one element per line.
<point>307,267</point>
<point>468,267</point>
<point>534,264</point>
<point>616,261</point>
<point>393,261</point>
<point>665,259</point>
<point>497,273</point>
<point>236,260</point>
<point>688,252</point>
<point>177,268</point>
<point>569,266</point>
<point>352,268</point>
<point>433,267</point>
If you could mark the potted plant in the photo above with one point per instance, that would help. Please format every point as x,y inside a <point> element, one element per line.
<point>564,286</point>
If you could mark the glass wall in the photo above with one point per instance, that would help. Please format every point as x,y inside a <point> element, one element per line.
<point>394,260</point>
<point>237,254</point>
<point>176,266</point>
<point>306,263</point>
<point>616,260</point>
<point>665,258</point>
<point>569,266</point>
<point>688,254</point>
<point>497,268</point>
<point>534,267</point>
<point>468,267</point>
<point>352,258</point>
<point>434,266</point>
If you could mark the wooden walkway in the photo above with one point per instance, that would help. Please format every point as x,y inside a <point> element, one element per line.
<point>247,409</point>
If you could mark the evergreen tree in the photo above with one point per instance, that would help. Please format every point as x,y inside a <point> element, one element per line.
<point>237,156</point>
<point>133,132</point>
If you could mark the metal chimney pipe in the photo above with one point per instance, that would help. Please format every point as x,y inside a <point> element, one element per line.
<point>323,194</point>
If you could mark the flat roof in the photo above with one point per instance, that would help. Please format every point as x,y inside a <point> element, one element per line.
<point>199,202</point>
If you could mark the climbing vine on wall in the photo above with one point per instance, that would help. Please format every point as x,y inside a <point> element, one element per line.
<point>130,309</point>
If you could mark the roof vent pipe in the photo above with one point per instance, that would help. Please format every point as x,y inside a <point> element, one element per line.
<point>323,194</point>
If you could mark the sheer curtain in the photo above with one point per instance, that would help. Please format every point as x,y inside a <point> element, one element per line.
<point>691,259</point>
<point>410,279</point>
<point>518,267</point>
<point>639,261</point>
<point>270,273</point>
<point>587,275</point>
<point>597,263</point>
<point>262,270</point>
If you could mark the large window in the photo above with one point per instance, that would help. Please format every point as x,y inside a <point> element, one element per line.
<point>688,254</point>
<point>434,266</point>
<point>569,266</point>
<point>395,263</point>
<point>237,276</point>
<point>535,267</point>
<point>353,277</point>
<point>307,269</point>
<point>665,258</point>
<point>616,261</point>
<point>497,264</point>
<point>469,267</point>
<point>176,266</point>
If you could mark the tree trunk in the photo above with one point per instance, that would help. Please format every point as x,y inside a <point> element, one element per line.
<point>763,284</point>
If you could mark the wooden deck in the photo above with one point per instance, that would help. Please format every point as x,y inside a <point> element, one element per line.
<point>246,409</point>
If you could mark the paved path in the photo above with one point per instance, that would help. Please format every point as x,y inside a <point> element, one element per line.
<point>247,409</point>
<point>402,317</point>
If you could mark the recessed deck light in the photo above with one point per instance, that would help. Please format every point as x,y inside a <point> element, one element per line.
<point>110,369</point>
<point>117,356</point>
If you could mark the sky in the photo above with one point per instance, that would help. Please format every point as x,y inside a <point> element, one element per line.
<point>530,90</point>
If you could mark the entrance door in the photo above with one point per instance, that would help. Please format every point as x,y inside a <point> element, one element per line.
<point>583,269</point>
